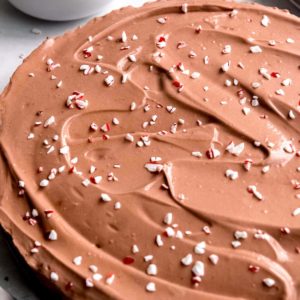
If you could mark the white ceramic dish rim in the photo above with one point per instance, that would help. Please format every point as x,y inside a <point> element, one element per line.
<point>61,10</point>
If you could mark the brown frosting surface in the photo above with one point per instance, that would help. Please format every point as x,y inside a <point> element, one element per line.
<point>153,154</point>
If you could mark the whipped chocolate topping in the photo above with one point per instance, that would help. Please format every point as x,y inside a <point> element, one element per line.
<point>154,153</point>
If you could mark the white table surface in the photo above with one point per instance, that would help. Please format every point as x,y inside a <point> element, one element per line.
<point>16,42</point>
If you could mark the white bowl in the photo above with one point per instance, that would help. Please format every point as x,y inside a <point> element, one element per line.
<point>61,10</point>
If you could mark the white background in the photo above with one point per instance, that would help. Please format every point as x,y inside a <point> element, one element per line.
<point>17,41</point>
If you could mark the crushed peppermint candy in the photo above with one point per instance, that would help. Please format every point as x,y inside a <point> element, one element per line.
<point>195,75</point>
<point>233,13</point>
<point>246,110</point>
<point>171,109</point>
<point>110,279</point>
<point>169,231</point>
<point>86,69</point>
<point>292,115</point>
<point>162,120</point>
<point>265,21</point>
<point>252,189</point>
<point>288,147</point>
<point>132,58</point>
<point>97,277</point>
<point>117,205</point>
<point>21,184</point>
<point>151,287</point>
<point>187,260</point>
<point>77,260</point>
<point>129,137</point>
<point>235,149</point>
<point>265,169</point>
<point>89,283</point>
<point>269,282</point>
<point>227,49</point>
<point>236,244</point>
<point>154,167</point>
<point>59,84</point>
<point>44,183</point>
<point>290,40</point>
<point>135,249</point>
<point>296,212</point>
<point>214,259</point>
<point>213,153</point>
<point>105,197</point>
<point>87,52</point>
<point>64,150</point>
<point>184,8</point>
<point>53,236</point>
<point>76,99</point>
<point>95,179</point>
<point>197,154</point>
<point>198,269</point>
<point>159,241</point>
<point>148,258</point>
<point>233,175</point>
<point>255,49</point>
<point>286,82</point>
<point>162,41</point>
<point>133,106</point>
<point>36,31</point>
<point>54,276</point>
<point>225,67</point>
<point>152,270</point>
<point>168,218</point>
<point>162,20</point>
<point>200,248</point>
<point>109,80</point>
<point>50,121</point>
<point>93,268</point>
<point>240,235</point>
<point>280,92</point>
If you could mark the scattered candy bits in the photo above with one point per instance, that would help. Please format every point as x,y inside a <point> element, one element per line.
<point>214,95</point>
